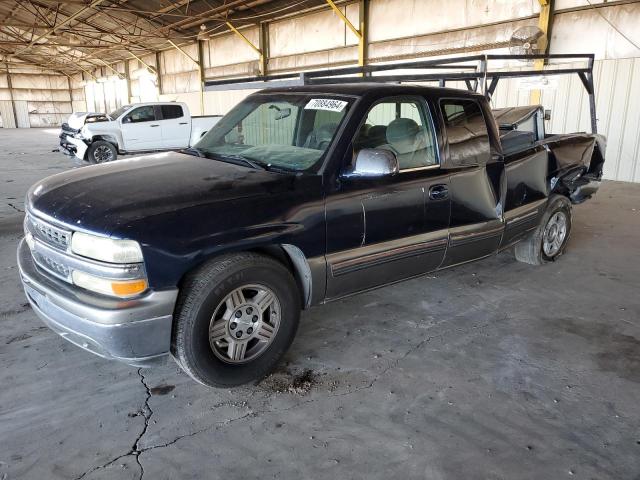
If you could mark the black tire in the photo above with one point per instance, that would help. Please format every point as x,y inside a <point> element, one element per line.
<point>202,292</point>
<point>530,250</point>
<point>94,153</point>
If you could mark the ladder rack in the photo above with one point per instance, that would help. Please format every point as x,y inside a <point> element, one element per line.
<point>472,69</point>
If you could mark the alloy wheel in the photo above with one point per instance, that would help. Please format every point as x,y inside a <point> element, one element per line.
<point>244,323</point>
<point>103,154</point>
<point>554,235</point>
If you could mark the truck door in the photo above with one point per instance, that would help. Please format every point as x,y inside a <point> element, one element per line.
<point>477,182</point>
<point>141,130</point>
<point>175,126</point>
<point>384,229</point>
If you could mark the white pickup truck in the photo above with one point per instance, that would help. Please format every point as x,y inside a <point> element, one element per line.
<point>135,128</point>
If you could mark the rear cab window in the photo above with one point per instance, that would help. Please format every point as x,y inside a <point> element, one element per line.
<point>171,111</point>
<point>466,131</point>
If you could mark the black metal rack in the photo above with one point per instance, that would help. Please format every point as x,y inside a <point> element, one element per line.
<point>473,70</point>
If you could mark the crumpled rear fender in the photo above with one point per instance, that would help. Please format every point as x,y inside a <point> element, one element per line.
<point>575,165</point>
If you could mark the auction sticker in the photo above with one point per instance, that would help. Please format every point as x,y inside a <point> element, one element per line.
<point>326,104</point>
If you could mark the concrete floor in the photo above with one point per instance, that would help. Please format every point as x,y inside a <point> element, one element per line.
<point>494,370</point>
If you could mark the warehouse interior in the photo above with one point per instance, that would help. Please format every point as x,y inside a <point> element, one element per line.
<point>493,369</point>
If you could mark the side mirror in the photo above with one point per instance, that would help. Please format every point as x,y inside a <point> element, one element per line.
<point>373,162</point>
<point>126,120</point>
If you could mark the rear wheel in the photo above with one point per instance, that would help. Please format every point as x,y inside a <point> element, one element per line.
<point>101,152</point>
<point>549,240</point>
<point>235,319</point>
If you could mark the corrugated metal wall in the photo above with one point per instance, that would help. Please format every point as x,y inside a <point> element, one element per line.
<point>7,118</point>
<point>41,99</point>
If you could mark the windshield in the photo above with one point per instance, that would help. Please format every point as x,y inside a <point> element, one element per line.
<point>281,131</point>
<point>116,113</point>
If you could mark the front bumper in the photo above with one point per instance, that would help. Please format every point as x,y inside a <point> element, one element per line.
<point>73,146</point>
<point>137,332</point>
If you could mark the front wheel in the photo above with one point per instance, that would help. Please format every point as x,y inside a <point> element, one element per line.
<point>235,318</point>
<point>101,152</point>
<point>549,240</point>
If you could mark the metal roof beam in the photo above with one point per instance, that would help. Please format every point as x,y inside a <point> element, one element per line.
<point>64,22</point>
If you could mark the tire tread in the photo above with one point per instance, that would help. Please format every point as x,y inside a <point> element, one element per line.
<point>529,250</point>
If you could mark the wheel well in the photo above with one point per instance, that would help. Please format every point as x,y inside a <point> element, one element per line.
<point>292,258</point>
<point>105,138</point>
<point>282,255</point>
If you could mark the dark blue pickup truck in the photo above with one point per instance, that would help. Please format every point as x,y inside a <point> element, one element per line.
<point>298,196</point>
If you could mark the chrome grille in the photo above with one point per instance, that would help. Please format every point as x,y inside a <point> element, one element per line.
<point>54,236</point>
<point>50,265</point>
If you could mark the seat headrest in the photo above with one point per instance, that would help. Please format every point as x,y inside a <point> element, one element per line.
<point>402,129</point>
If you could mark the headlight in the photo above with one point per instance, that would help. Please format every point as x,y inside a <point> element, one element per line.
<point>119,288</point>
<point>106,249</point>
<point>81,134</point>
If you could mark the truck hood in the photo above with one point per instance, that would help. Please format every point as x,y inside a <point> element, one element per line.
<point>99,126</point>
<point>108,198</point>
<point>78,119</point>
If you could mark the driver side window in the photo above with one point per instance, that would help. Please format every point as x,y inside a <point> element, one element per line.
<point>400,126</point>
<point>141,114</point>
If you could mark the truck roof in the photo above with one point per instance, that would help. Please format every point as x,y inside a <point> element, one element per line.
<point>169,102</point>
<point>364,88</point>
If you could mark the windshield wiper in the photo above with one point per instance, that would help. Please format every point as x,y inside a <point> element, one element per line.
<point>251,163</point>
<point>270,167</point>
<point>277,168</point>
<point>192,151</point>
<point>235,159</point>
<point>256,164</point>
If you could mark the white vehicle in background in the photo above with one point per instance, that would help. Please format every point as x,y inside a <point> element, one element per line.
<point>135,128</point>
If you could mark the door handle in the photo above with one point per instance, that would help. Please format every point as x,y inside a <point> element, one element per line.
<point>156,125</point>
<point>183,123</point>
<point>438,192</point>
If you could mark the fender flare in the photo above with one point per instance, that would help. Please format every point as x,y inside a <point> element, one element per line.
<point>302,271</point>
<point>107,138</point>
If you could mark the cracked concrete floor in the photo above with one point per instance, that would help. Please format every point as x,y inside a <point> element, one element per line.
<point>494,370</point>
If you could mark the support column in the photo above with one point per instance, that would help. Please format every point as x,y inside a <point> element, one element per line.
<point>363,43</point>
<point>201,73</point>
<point>127,73</point>
<point>544,23</point>
<point>158,73</point>
<point>264,48</point>
<point>13,103</point>
<point>70,92</point>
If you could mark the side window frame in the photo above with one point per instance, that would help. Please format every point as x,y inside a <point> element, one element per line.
<point>128,114</point>
<point>426,115</point>
<point>445,131</point>
<point>161,113</point>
